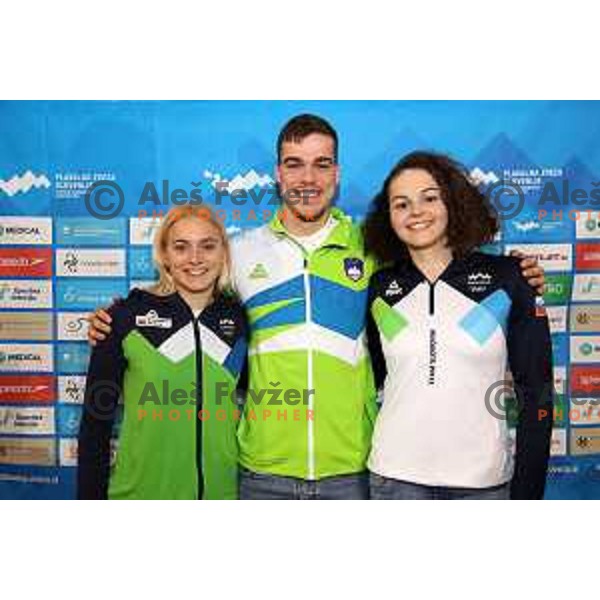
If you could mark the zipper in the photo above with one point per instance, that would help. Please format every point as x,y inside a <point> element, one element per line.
<point>310,441</point>
<point>310,430</point>
<point>432,298</point>
<point>199,400</point>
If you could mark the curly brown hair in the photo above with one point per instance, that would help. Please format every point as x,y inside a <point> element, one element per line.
<point>471,219</point>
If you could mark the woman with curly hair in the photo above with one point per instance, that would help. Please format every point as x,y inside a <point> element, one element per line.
<point>445,322</point>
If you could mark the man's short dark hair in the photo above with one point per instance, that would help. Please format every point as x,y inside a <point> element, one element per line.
<point>301,126</point>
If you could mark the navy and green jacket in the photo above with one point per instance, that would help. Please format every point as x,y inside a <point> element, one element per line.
<point>177,376</point>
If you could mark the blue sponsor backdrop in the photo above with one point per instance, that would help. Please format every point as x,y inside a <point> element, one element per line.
<point>52,152</point>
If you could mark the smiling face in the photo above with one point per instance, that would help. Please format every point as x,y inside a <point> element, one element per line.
<point>194,254</point>
<point>418,214</point>
<point>308,175</point>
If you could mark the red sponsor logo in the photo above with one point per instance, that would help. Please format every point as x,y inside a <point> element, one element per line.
<point>587,257</point>
<point>27,388</point>
<point>24,262</point>
<point>585,379</point>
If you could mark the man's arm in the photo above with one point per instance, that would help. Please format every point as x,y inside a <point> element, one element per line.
<point>103,388</point>
<point>530,358</point>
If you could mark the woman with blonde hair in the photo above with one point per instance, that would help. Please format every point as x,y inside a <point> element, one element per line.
<point>174,356</point>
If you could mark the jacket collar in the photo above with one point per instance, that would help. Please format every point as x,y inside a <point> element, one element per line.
<point>341,236</point>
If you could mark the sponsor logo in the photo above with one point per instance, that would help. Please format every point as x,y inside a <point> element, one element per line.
<point>71,389</point>
<point>530,226</point>
<point>28,451</point>
<point>88,293</point>
<point>393,289</point>
<point>586,287</point>
<point>25,262</point>
<point>141,265</point>
<point>26,388</point>
<point>479,278</point>
<point>151,319</point>
<point>560,348</point>
<point>585,317</point>
<point>558,443</point>
<point>585,441</point>
<point>584,411</point>
<point>560,379</point>
<point>558,289</point>
<point>258,272</point>
<point>557,318</point>
<point>355,268</point>
<point>25,293</point>
<point>142,230</point>
<point>27,421</point>
<point>585,380</point>
<point>563,472</point>
<point>587,257</point>
<point>90,263</point>
<point>527,225</point>
<point>227,327</point>
<point>68,419</point>
<point>68,452</point>
<point>588,225</point>
<point>87,231</point>
<point>72,357</point>
<point>540,307</point>
<point>585,349</point>
<point>26,357</point>
<point>552,257</point>
<point>27,326</point>
<point>72,326</point>
<point>26,230</point>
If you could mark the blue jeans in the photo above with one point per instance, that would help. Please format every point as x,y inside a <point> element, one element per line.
<point>262,486</point>
<point>384,488</point>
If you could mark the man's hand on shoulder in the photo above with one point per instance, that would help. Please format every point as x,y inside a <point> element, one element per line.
<point>532,271</point>
<point>100,326</point>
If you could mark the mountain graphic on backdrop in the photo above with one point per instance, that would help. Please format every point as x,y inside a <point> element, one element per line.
<point>354,200</point>
<point>30,193</point>
<point>555,131</point>
<point>579,175</point>
<point>376,169</point>
<point>367,181</point>
<point>256,154</point>
<point>9,207</point>
<point>22,184</point>
<point>501,153</point>
<point>243,181</point>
